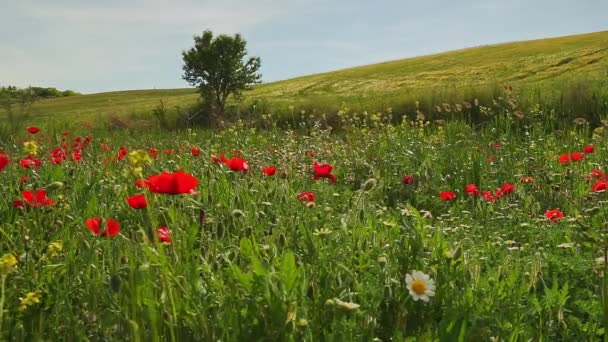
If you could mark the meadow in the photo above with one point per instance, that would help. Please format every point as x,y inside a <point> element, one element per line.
<point>422,230</point>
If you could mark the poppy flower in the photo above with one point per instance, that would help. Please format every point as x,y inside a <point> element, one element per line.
<point>490,159</point>
<point>164,234</point>
<point>24,179</point>
<point>111,227</point>
<point>195,151</point>
<point>488,196</point>
<point>306,196</point>
<point>215,160</point>
<point>527,179</point>
<point>141,184</point>
<point>33,129</point>
<point>121,154</point>
<point>3,161</point>
<point>235,164</point>
<point>595,174</point>
<point>408,180</point>
<point>497,145</point>
<point>554,215</point>
<point>471,189</point>
<point>18,203</point>
<point>153,152</point>
<point>269,170</point>
<point>104,147</point>
<point>589,149</point>
<point>564,158</point>
<point>172,183</point>
<point>506,189</point>
<point>600,186</point>
<point>447,195</point>
<point>323,171</point>
<point>137,201</point>
<point>37,198</point>
<point>170,151</point>
<point>577,156</point>
<point>30,162</point>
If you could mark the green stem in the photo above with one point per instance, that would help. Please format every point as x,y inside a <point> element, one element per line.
<point>2,290</point>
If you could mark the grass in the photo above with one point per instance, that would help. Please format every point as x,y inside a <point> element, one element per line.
<point>548,68</point>
<point>249,261</point>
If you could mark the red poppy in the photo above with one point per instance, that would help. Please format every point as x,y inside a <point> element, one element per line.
<point>195,151</point>
<point>269,170</point>
<point>564,158</point>
<point>121,154</point>
<point>471,189</point>
<point>554,215</point>
<point>24,179</point>
<point>170,151</point>
<point>104,147</point>
<point>111,227</point>
<point>37,198</point>
<point>505,190</point>
<point>600,186</point>
<point>490,159</point>
<point>172,183</point>
<point>57,156</point>
<point>488,196</point>
<point>30,162</point>
<point>235,164</point>
<point>408,179</point>
<point>141,184</point>
<point>215,160</point>
<point>18,203</point>
<point>527,179</point>
<point>153,152</point>
<point>33,129</point>
<point>164,234</point>
<point>447,195</point>
<point>589,149</point>
<point>306,196</point>
<point>595,174</point>
<point>577,156</point>
<point>312,154</point>
<point>497,145</point>
<point>137,201</point>
<point>323,171</point>
<point>3,161</point>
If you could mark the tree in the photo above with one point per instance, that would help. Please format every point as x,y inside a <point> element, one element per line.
<point>219,67</point>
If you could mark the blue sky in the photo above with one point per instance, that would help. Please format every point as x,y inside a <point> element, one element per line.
<point>104,45</point>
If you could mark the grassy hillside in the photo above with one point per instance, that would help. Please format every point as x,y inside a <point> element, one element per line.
<point>545,63</point>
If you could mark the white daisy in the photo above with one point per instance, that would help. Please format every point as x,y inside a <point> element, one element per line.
<point>420,285</point>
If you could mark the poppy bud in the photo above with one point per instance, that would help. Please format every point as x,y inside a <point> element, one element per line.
<point>382,260</point>
<point>369,185</point>
<point>55,186</point>
<point>236,213</point>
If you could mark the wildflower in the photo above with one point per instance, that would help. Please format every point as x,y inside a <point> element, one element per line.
<point>3,161</point>
<point>235,164</point>
<point>420,285</point>
<point>164,234</point>
<point>589,149</point>
<point>505,190</point>
<point>37,198</point>
<point>111,227</point>
<point>55,248</point>
<point>33,129</point>
<point>139,158</point>
<point>30,147</point>
<point>31,298</point>
<point>170,151</point>
<point>153,152</point>
<point>488,196</point>
<point>172,183</point>
<point>408,180</point>
<point>7,263</point>
<point>215,160</point>
<point>471,189</point>
<point>323,171</point>
<point>597,174</point>
<point>527,179</point>
<point>306,197</point>
<point>137,201</point>
<point>554,215</point>
<point>600,186</point>
<point>269,170</point>
<point>30,162</point>
<point>497,145</point>
<point>564,158</point>
<point>141,184</point>
<point>577,156</point>
<point>447,195</point>
<point>195,151</point>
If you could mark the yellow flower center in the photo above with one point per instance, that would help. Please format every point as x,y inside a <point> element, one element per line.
<point>419,287</point>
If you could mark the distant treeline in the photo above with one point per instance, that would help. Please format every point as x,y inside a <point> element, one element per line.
<point>36,92</point>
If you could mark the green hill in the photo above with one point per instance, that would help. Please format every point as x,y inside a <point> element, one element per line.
<point>544,62</point>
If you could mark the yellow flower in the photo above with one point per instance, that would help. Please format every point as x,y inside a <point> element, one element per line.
<point>138,158</point>
<point>30,147</point>
<point>55,248</point>
<point>7,263</point>
<point>30,299</point>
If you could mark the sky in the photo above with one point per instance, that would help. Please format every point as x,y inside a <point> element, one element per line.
<point>106,45</point>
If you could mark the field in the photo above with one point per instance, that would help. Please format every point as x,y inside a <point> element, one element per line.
<point>432,230</point>
<point>563,73</point>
